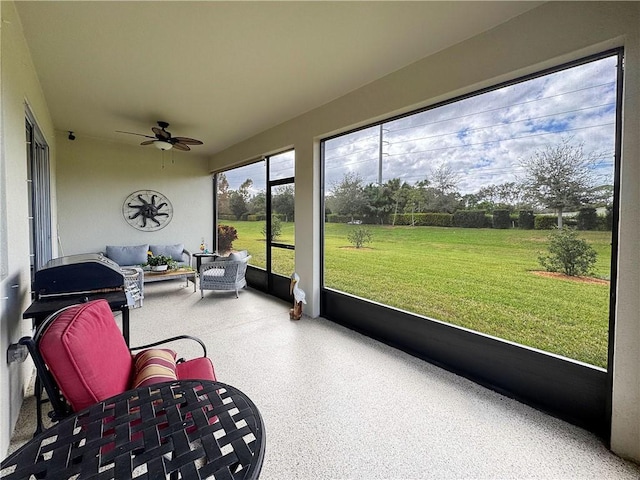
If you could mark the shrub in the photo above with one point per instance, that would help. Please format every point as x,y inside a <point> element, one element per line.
<point>359,236</point>
<point>501,219</point>
<point>470,219</point>
<point>545,222</point>
<point>526,219</point>
<point>587,219</point>
<point>276,228</point>
<point>568,253</point>
<point>226,235</point>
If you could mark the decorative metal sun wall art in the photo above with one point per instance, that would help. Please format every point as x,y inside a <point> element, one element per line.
<point>147,210</point>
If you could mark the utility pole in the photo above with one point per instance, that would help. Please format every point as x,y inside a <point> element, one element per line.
<point>381,153</point>
<point>380,158</point>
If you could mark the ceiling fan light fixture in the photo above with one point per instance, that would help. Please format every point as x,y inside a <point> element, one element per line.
<point>163,139</point>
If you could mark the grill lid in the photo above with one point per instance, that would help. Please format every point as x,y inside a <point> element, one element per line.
<point>86,272</point>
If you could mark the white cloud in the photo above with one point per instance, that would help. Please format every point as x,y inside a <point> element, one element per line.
<point>484,137</point>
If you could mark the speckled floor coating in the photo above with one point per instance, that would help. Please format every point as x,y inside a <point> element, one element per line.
<point>338,405</point>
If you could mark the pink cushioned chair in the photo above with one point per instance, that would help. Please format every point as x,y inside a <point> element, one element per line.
<point>82,358</point>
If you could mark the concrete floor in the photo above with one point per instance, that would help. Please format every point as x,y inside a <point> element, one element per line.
<point>337,404</point>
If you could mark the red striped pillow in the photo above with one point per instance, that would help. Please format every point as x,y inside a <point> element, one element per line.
<point>154,365</point>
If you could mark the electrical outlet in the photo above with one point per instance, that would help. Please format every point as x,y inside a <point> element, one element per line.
<point>16,353</point>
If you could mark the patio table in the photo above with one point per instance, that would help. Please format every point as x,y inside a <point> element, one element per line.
<point>181,429</point>
<point>186,273</point>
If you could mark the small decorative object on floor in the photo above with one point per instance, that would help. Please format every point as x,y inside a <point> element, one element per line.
<point>298,297</point>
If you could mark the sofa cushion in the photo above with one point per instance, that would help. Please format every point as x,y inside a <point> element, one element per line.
<point>128,255</point>
<point>154,365</point>
<point>196,369</point>
<point>86,354</point>
<point>173,251</point>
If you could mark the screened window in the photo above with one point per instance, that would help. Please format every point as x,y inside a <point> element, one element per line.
<point>462,212</point>
<point>257,200</point>
<point>39,191</point>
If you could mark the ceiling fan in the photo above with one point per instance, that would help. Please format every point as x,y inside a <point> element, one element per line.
<point>163,139</point>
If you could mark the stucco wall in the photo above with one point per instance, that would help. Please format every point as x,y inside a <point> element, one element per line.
<point>95,177</point>
<point>549,35</point>
<point>19,86</point>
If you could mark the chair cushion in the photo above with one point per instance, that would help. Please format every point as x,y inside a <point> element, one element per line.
<point>173,251</point>
<point>154,365</point>
<point>214,272</point>
<point>196,369</point>
<point>129,255</point>
<point>87,355</point>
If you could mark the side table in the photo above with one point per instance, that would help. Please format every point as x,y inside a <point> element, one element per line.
<point>181,429</point>
<point>200,256</point>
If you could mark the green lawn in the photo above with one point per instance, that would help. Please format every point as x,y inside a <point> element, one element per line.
<point>480,279</point>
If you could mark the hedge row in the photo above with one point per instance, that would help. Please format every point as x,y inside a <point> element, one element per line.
<point>425,219</point>
<point>587,219</point>
<point>261,217</point>
<point>525,219</point>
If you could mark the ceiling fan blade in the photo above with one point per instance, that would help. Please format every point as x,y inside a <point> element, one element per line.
<point>132,133</point>
<point>161,133</point>
<point>181,146</point>
<point>147,142</point>
<point>188,141</point>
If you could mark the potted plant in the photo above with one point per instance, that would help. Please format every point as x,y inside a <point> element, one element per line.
<point>160,263</point>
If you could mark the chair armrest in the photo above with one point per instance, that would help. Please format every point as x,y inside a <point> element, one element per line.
<point>173,339</point>
<point>186,257</point>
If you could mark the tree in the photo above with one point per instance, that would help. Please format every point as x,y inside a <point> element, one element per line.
<point>348,196</point>
<point>381,201</point>
<point>223,194</point>
<point>237,204</point>
<point>258,203</point>
<point>398,194</point>
<point>238,199</point>
<point>560,176</point>
<point>444,179</point>
<point>283,202</point>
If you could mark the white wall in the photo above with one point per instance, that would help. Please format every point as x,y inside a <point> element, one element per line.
<point>95,177</point>
<point>551,34</point>
<point>19,85</point>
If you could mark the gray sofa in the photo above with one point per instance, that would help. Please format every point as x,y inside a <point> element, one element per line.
<point>136,255</point>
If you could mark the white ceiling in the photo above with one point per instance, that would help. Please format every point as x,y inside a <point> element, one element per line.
<point>224,71</point>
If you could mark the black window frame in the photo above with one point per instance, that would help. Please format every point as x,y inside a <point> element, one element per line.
<point>571,390</point>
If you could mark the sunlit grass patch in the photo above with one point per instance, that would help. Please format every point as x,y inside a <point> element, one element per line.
<point>481,279</point>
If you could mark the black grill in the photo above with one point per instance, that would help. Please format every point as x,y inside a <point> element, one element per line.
<point>75,274</point>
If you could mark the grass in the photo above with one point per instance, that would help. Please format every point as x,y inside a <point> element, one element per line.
<point>479,279</point>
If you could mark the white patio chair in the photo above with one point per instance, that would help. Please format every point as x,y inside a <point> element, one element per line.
<point>225,273</point>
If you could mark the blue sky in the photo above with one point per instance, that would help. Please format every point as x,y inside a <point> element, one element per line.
<point>482,138</point>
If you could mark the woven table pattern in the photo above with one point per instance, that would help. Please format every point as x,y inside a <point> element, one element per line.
<point>183,429</point>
